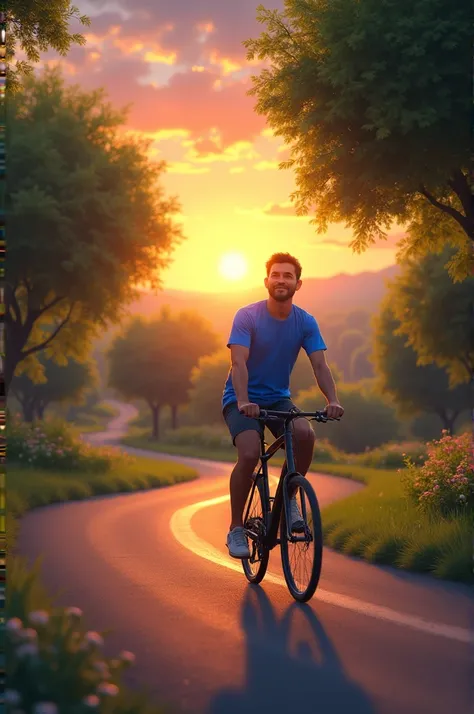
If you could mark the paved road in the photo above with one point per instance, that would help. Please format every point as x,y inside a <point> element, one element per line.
<point>153,567</point>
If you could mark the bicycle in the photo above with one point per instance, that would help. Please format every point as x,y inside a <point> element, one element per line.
<point>267,517</point>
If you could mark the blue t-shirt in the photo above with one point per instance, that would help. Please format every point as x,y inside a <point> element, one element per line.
<point>274,346</point>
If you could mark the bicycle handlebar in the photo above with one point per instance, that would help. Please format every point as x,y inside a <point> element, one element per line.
<point>320,416</point>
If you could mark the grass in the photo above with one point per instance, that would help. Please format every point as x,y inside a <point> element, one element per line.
<point>378,524</point>
<point>31,487</point>
<point>93,420</point>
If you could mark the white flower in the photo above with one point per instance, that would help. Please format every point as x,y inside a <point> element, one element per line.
<point>74,611</point>
<point>91,701</point>
<point>109,690</point>
<point>93,638</point>
<point>14,624</point>
<point>45,708</point>
<point>29,649</point>
<point>12,696</point>
<point>126,656</point>
<point>462,497</point>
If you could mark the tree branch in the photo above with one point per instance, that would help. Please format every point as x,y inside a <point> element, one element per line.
<point>462,220</point>
<point>461,187</point>
<point>12,302</point>
<point>46,342</point>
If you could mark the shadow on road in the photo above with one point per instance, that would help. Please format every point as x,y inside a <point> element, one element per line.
<point>291,665</point>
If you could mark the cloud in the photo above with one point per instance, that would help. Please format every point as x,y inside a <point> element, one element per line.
<point>181,167</point>
<point>281,209</point>
<point>193,29</point>
<point>390,243</point>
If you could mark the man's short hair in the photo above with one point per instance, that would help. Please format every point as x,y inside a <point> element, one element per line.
<point>284,258</point>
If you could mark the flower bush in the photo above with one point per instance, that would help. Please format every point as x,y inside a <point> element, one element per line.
<point>392,456</point>
<point>445,482</point>
<point>56,667</point>
<point>53,445</point>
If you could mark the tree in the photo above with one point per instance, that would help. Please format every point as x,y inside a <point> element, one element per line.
<point>37,27</point>
<point>62,384</point>
<point>88,222</point>
<point>374,99</point>
<point>436,316</point>
<point>369,420</point>
<point>348,342</point>
<point>207,384</point>
<point>361,366</point>
<point>153,360</point>
<point>416,389</point>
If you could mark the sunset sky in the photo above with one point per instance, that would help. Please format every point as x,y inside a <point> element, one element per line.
<point>183,67</point>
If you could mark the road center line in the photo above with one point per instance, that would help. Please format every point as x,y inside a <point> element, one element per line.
<point>181,528</point>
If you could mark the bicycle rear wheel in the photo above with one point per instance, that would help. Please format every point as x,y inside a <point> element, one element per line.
<point>302,560</point>
<point>255,567</point>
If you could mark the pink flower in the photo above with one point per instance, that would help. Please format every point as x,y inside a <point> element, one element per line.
<point>108,689</point>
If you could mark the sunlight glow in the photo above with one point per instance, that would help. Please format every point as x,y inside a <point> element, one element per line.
<point>233,266</point>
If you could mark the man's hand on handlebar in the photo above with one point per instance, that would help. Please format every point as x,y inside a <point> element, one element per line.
<point>249,409</point>
<point>334,410</point>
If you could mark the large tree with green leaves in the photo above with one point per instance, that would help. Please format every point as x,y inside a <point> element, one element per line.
<point>36,27</point>
<point>436,315</point>
<point>88,221</point>
<point>154,360</point>
<point>374,99</point>
<point>61,384</point>
<point>416,389</point>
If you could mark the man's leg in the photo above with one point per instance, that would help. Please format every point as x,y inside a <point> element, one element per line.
<point>248,452</point>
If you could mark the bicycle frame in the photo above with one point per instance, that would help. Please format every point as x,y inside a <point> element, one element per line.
<point>281,499</point>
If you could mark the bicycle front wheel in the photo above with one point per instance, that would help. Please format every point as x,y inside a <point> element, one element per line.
<point>255,567</point>
<point>302,557</point>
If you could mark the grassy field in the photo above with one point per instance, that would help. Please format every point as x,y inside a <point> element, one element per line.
<point>95,419</point>
<point>378,524</point>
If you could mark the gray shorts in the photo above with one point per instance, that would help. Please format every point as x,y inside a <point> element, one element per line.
<point>237,422</point>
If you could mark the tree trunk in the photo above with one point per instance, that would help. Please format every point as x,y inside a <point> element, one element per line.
<point>448,418</point>
<point>40,407</point>
<point>174,416</point>
<point>28,406</point>
<point>155,410</point>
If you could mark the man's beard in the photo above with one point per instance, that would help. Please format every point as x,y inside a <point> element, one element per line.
<point>282,295</point>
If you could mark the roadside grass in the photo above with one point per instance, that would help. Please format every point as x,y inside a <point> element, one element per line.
<point>94,419</point>
<point>381,525</point>
<point>30,487</point>
<point>378,524</point>
<point>67,674</point>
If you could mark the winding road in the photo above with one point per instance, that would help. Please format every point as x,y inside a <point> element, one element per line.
<point>153,568</point>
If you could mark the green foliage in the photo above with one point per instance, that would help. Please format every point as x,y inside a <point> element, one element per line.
<point>445,483</point>
<point>349,341</point>
<point>154,360</point>
<point>436,316</point>
<point>207,384</point>
<point>54,446</point>
<point>361,366</point>
<point>61,383</point>
<point>37,27</point>
<point>206,436</point>
<point>392,456</point>
<point>56,665</point>
<point>416,388</point>
<point>380,524</point>
<point>369,420</point>
<point>374,100</point>
<point>88,221</point>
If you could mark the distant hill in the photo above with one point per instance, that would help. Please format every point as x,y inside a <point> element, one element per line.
<point>320,296</point>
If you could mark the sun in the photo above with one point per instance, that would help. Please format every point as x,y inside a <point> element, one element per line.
<point>233,266</point>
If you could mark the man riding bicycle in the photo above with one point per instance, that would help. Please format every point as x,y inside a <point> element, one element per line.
<point>265,341</point>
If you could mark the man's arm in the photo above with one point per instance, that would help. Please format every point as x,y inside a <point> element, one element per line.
<point>326,382</point>
<point>240,380</point>
<point>240,376</point>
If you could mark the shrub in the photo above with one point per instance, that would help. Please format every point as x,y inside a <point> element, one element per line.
<point>445,482</point>
<point>392,456</point>
<point>53,445</point>
<point>211,437</point>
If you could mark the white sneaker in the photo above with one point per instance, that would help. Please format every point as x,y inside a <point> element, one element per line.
<point>297,522</point>
<point>237,543</point>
